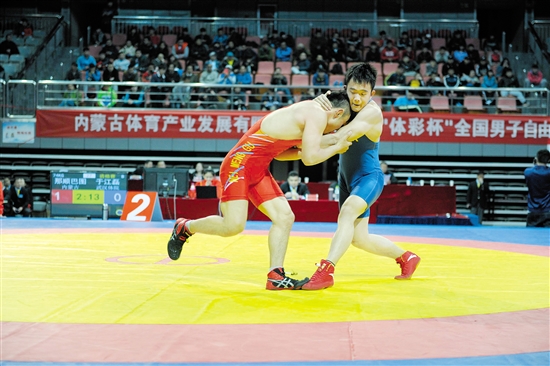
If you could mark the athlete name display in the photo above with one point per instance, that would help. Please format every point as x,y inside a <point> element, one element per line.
<point>84,193</point>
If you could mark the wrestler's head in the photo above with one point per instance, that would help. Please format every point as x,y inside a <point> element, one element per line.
<point>340,112</point>
<point>359,83</point>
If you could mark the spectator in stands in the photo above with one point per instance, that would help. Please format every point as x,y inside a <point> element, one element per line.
<point>318,44</point>
<point>180,49</point>
<point>134,98</point>
<point>494,57</point>
<point>418,82</point>
<point>23,28</point>
<point>221,37</point>
<point>290,41</point>
<point>383,39</point>
<point>134,36</point>
<point>335,53</point>
<point>6,192</point>
<point>1,199</point>
<point>432,68</point>
<point>404,41</point>
<point>442,55</point>
<point>92,74</point>
<point>73,73</point>
<point>199,50</point>
<point>354,55</point>
<point>213,61</point>
<point>397,78</point>
<point>451,80</point>
<point>159,94</point>
<point>477,196</point>
<point>473,54</point>
<point>424,41</point>
<point>265,52</point>
<point>298,51</point>
<point>490,44</point>
<point>107,15</point>
<point>450,64</point>
<point>407,103</point>
<point>410,67</point>
<point>159,61</point>
<point>424,56</point>
<point>227,76</point>
<point>460,54</point>
<point>129,49</point>
<point>235,37</point>
<point>466,66</point>
<point>340,44</point>
<point>270,101</point>
<point>389,53</point>
<point>147,48</point>
<point>187,38</point>
<point>293,188</point>
<point>470,80</point>
<point>435,82</point>
<point>302,65</point>
<point>161,164</point>
<point>85,60</point>
<point>219,50</point>
<point>72,97</point>
<point>482,67</point>
<point>320,78</point>
<point>319,61</point>
<point>237,99</point>
<point>205,37</point>
<point>209,75</point>
<point>101,61</point>
<point>110,73</point>
<point>110,50</point>
<point>98,38</point>
<point>181,95</point>
<point>107,96</point>
<point>172,76</point>
<point>154,37</point>
<point>140,61</point>
<point>8,46</point>
<point>308,95</point>
<point>489,82</point>
<point>509,80</point>
<point>389,178</point>
<point>456,41</point>
<point>283,52</point>
<point>162,49</point>
<point>230,60</point>
<point>209,179</point>
<point>279,79</point>
<point>535,79</point>
<point>189,76</point>
<point>409,52</point>
<point>538,197</point>
<point>501,69</point>
<point>148,74</point>
<point>355,40</point>
<point>230,47</point>
<point>197,173</point>
<point>122,62</point>
<point>140,171</point>
<point>248,57</point>
<point>19,199</point>
<point>243,76</point>
<point>373,53</point>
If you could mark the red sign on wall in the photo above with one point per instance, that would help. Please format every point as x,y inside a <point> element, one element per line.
<point>398,127</point>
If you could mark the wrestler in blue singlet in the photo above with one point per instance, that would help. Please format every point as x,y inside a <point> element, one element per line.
<point>360,173</point>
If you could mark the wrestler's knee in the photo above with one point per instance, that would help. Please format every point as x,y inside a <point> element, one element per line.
<point>284,218</point>
<point>233,226</point>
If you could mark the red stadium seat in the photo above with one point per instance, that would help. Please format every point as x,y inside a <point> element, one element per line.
<point>266,67</point>
<point>300,80</point>
<point>473,103</point>
<point>440,103</point>
<point>507,104</point>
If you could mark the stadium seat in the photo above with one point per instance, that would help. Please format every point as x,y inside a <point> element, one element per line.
<point>444,33</point>
<point>378,67</point>
<point>507,104</point>
<point>473,103</point>
<point>262,78</point>
<point>389,68</point>
<point>285,66</point>
<point>300,80</point>
<point>170,39</point>
<point>304,41</point>
<point>440,103</point>
<point>363,32</point>
<point>254,39</point>
<point>367,41</point>
<point>119,39</point>
<point>346,32</point>
<point>336,80</point>
<point>437,43</point>
<point>474,41</point>
<point>26,51</point>
<point>266,67</point>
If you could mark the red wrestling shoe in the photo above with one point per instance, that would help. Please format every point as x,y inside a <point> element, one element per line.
<point>277,280</point>
<point>408,263</point>
<point>180,234</point>
<point>322,278</point>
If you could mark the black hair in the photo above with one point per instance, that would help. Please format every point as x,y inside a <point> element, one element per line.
<point>293,173</point>
<point>361,73</point>
<point>543,156</point>
<point>339,99</point>
<point>208,171</point>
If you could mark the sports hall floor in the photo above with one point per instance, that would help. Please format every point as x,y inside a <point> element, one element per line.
<point>93,292</point>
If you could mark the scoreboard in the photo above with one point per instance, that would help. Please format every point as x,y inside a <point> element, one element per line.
<point>84,193</point>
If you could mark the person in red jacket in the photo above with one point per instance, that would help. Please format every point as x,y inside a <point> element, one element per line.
<point>390,53</point>
<point>535,78</point>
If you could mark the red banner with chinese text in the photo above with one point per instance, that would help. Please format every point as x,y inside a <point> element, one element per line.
<point>215,124</point>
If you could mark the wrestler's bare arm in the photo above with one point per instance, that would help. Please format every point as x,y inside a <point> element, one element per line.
<point>369,122</point>
<point>290,154</point>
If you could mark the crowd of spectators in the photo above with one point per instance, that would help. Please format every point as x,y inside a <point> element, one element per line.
<point>229,58</point>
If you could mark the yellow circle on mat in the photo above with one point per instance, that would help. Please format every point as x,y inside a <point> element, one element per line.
<point>126,278</point>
